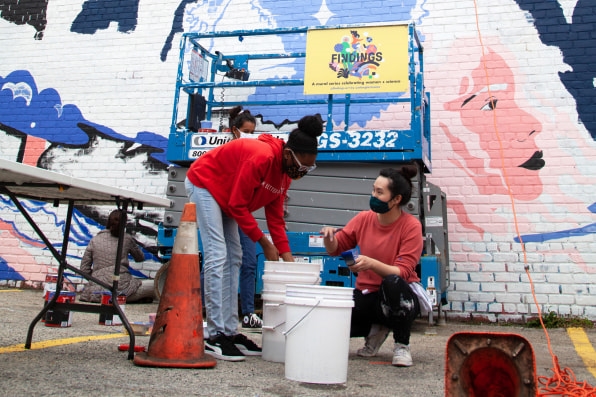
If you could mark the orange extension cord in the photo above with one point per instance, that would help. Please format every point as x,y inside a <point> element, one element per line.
<point>563,381</point>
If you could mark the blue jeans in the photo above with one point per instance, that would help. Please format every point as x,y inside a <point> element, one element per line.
<point>248,273</point>
<point>222,257</point>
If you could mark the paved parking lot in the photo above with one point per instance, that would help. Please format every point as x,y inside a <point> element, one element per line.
<point>84,360</point>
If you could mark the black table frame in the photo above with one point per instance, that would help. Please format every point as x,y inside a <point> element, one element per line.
<point>26,182</point>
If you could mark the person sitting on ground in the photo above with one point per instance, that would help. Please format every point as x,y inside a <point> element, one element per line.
<point>99,261</point>
<point>388,294</point>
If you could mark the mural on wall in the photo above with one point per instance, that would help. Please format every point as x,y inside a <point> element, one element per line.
<point>523,159</point>
<point>546,169</point>
<point>580,80</point>
<point>26,12</point>
<point>26,113</point>
<point>95,15</point>
<point>40,130</point>
<point>515,158</point>
<point>98,14</point>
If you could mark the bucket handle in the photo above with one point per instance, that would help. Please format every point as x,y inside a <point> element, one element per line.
<point>274,304</point>
<point>302,319</point>
<point>272,328</point>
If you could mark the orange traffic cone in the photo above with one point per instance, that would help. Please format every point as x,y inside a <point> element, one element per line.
<point>177,337</point>
<point>489,364</point>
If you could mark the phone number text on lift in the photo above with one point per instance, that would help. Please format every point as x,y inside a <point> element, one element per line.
<point>334,140</point>
<point>358,140</point>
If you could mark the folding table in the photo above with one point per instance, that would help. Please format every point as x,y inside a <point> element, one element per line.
<point>19,180</point>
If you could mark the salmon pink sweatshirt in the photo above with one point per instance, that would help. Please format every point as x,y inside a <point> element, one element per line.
<point>398,244</point>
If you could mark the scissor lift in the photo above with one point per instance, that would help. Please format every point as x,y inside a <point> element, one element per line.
<point>214,75</point>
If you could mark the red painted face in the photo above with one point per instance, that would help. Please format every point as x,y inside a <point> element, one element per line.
<point>485,113</point>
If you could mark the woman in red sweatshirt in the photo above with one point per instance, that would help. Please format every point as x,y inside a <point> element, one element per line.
<point>228,184</point>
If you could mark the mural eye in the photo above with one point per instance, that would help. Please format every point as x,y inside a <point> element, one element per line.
<point>491,104</point>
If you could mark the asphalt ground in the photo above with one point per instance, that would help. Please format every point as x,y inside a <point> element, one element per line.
<point>84,360</point>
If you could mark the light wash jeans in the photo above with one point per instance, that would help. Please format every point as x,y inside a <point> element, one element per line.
<point>222,257</point>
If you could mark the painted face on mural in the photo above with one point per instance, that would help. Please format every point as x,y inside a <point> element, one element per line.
<point>506,132</point>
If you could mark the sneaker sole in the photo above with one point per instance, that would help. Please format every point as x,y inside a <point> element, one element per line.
<point>247,352</point>
<point>220,356</point>
<point>224,358</point>
<point>252,330</point>
<point>402,364</point>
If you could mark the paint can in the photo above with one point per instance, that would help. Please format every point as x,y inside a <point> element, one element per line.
<point>48,287</point>
<point>60,318</point>
<point>106,300</point>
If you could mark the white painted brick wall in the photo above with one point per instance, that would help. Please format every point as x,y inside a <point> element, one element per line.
<point>117,80</point>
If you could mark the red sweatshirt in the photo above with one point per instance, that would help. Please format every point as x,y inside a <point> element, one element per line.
<point>399,244</point>
<point>243,176</point>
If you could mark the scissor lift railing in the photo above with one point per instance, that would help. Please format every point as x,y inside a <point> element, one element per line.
<point>403,145</point>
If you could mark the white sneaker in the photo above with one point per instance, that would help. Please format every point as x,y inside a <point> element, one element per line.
<point>402,356</point>
<point>373,342</point>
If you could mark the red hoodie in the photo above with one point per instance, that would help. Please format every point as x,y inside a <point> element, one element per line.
<point>243,176</point>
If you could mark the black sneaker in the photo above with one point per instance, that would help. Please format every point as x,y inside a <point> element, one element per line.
<point>252,321</point>
<point>246,346</point>
<point>222,348</point>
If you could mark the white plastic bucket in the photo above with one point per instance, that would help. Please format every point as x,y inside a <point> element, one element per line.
<point>317,333</point>
<point>273,341</point>
<point>275,278</point>
<point>274,318</point>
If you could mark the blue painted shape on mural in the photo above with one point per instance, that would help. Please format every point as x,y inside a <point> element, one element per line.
<point>98,14</point>
<point>24,111</point>
<point>8,273</point>
<point>569,233</point>
<point>577,43</point>
<point>575,232</point>
<point>177,27</point>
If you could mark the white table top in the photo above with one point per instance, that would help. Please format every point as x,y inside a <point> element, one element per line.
<point>39,184</point>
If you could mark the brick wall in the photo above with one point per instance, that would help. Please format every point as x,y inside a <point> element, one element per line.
<point>89,91</point>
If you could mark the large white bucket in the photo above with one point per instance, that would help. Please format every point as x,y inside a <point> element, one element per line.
<point>275,278</point>
<point>274,317</point>
<point>317,333</point>
<point>274,322</point>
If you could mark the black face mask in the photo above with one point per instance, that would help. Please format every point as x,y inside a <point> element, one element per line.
<point>378,206</point>
<point>294,173</point>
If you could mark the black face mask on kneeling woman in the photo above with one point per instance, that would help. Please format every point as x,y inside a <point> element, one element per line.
<point>378,206</point>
